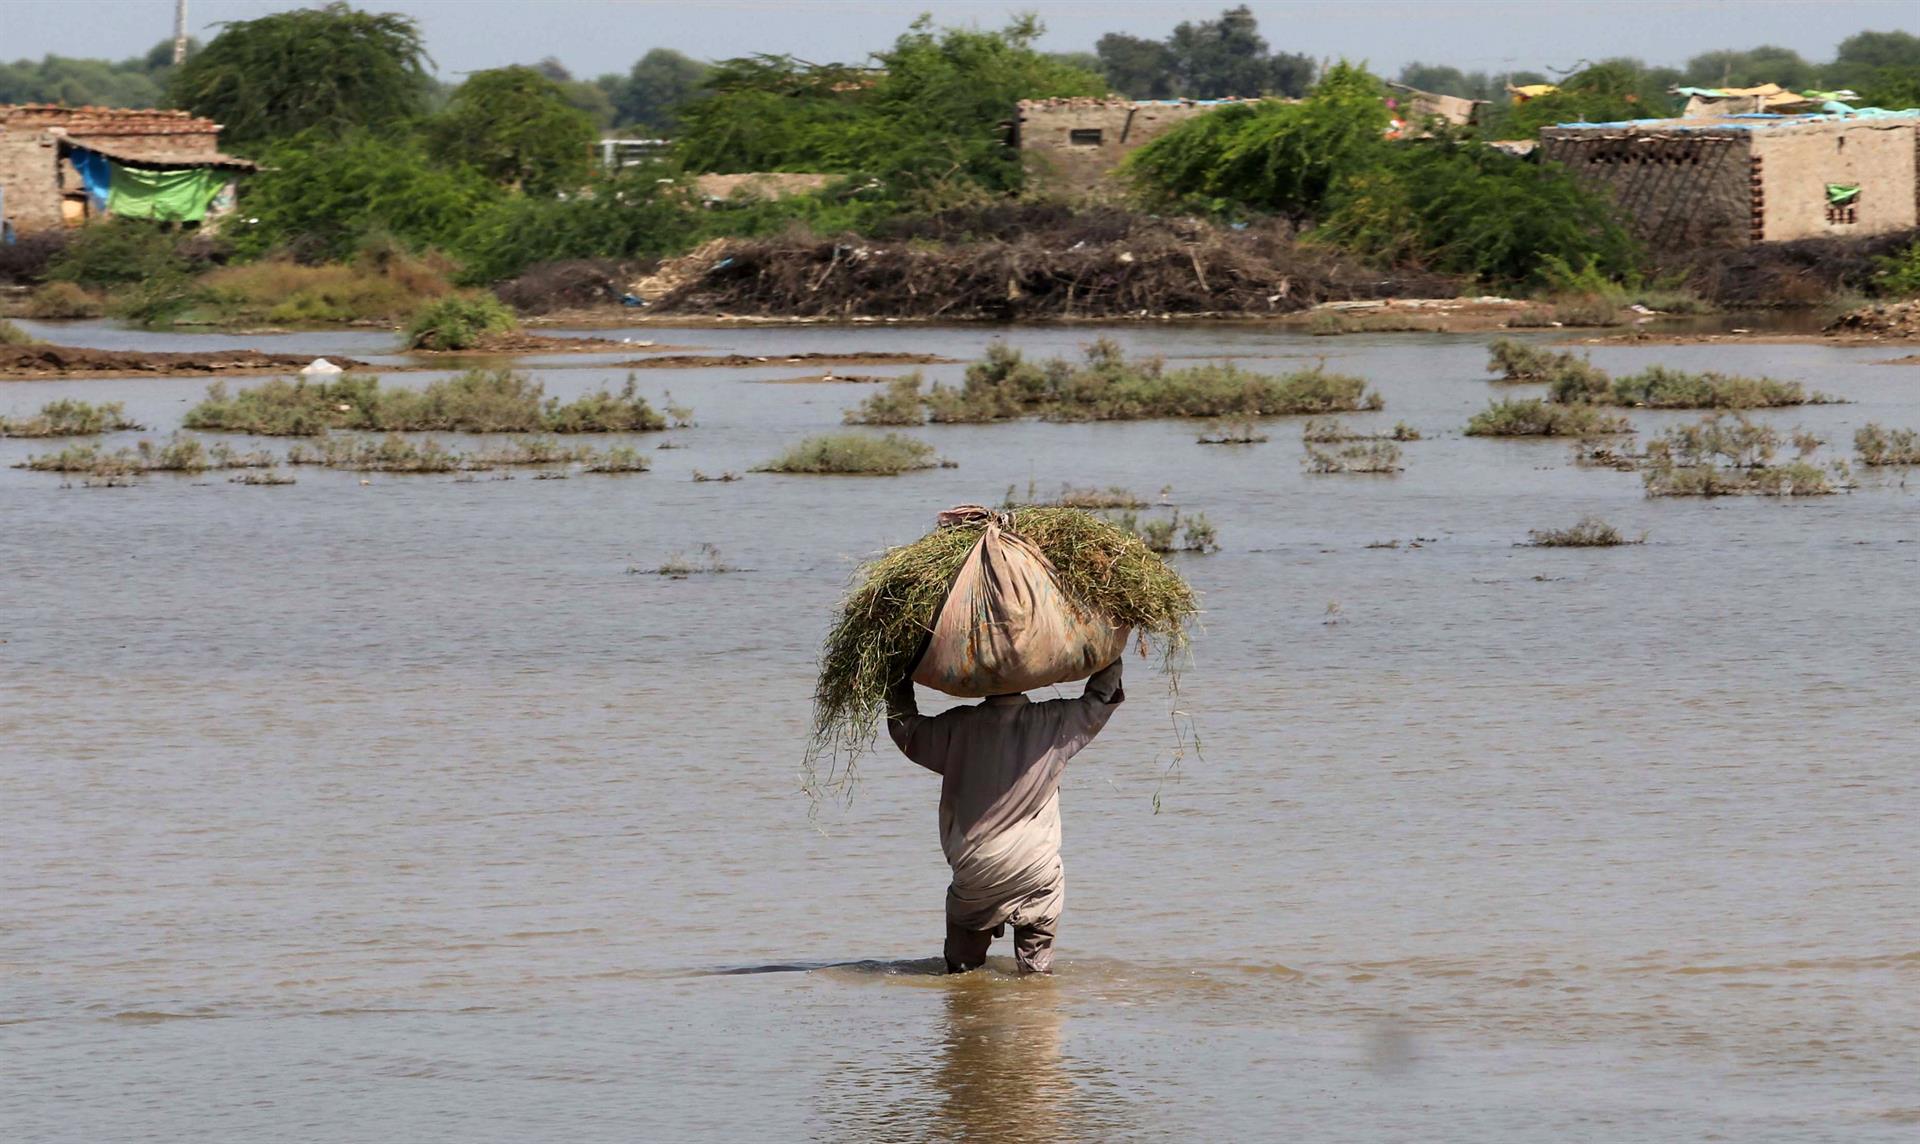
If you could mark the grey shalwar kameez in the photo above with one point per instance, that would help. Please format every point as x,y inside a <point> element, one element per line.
<point>1000,763</point>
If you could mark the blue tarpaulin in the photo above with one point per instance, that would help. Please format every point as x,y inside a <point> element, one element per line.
<point>96,171</point>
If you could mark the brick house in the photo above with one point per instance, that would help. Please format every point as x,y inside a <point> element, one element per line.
<point>41,188</point>
<point>1741,179</point>
<point>1071,144</point>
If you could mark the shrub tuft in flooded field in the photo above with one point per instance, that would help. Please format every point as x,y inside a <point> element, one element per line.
<point>855,454</point>
<point>69,418</point>
<point>1108,386</point>
<point>1536,418</point>
<point>477,401</point>
<point>1730,455</point>
<point>1372,457</point>
<point>1879,446</point>
<point>1588,532</point>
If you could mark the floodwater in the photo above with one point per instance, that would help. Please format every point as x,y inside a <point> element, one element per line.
<point>397,809</point>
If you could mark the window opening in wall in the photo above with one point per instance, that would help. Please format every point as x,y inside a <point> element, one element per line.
<point>1843,203</point>
<point>1084,136</point>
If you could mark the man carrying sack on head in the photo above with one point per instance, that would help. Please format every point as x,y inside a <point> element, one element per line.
<point>1006,627</point>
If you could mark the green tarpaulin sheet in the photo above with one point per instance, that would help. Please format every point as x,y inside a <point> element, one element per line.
<point>166,196</point>
<point>1840,194</point>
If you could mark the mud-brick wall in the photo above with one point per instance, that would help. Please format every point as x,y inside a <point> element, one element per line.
<point>1676,191</point>
<point>27,161</point>
<point>1052,158</point>
<point>1793,166</point>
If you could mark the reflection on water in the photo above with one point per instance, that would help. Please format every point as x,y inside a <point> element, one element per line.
<point>1000,1069</point>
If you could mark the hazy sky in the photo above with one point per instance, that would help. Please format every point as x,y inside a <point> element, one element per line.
<point>593,36</point>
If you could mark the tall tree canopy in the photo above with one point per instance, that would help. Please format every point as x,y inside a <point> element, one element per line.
<point>137,82</point>
<point>649,97</point>
<point>1767,63</point>
<point>516,127</point>
<point>334,69</point>
<point>1208,59</point>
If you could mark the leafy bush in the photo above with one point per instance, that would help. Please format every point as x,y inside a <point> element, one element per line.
<point>515,126</point>
<point>459,322</point>
<point>1729,455</point>
<point>1570,375</point>
<point>1899,274</point>
<point>12,335</point>
<point>119,252</point>
<point>1588,532</point>
<point>382,283</point>
<point>855,453</point>
<point>1375,457</point>
<point>1535,418</point>
<point>1662,388</point>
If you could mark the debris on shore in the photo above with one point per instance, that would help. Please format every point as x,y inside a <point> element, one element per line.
<point>33,362</point>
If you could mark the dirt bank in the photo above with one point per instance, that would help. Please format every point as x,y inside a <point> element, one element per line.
<point>31,363</point>
<point>520,342</point>
<point>748,361</point>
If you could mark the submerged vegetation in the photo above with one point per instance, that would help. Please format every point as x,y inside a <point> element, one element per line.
<point>1374,457</point>
<point>478,401</point>
<point>882,626</point>
<point>1588,532</point>
<point>856,454</point>
<point>1730,455</point>
<point>1879,446</point>
<point>12,335</point>
<point>176,455</point>
<point>1533,417</point>
<point>1524,362</point>
<point>1108,386</point>
<point>1574,380</point>
<point>1242,432</point>
<point>1329,431</point>
<point>396,454</point>
<point>460,322</point>
<point>70,418</point>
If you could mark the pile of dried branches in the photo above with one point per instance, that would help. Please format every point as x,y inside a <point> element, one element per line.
<point>1034,263</point>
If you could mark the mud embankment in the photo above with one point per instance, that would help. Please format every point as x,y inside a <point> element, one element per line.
<point>37,362</point>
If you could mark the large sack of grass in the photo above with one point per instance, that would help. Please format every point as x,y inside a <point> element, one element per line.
<point>986,603</point>
<point>1007,625</point>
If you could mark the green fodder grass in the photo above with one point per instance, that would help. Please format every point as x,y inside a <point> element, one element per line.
<point>60,300</point>
<point>1108,386</point>
<point>459,322</point>
<point>855,454</point>
<point>1587,532</point>
<point>387,289</point>
<point>1658,387</point>
<point>1535,418</point>
<point>884,623</point>
<point>478,401</point>
<point>1878,445</point>
<point>12,335</point>
<point>69,418</point>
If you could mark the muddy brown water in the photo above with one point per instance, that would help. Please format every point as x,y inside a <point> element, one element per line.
<point>401,811</point>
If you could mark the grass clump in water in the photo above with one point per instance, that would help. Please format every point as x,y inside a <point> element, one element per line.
<point>12,335</point>
<point>619,459</point>
<point>261,477</point>
<point>1729,455</point>
<point>460,322</point>
<point>1523,362</point>
<point>1329,432</point>
<point>1241,432</point>
<point>1588,532</point>
<point>1113,496</point>
<point>1108,386</point>
<point>884,623</point>
<point>1658,387</point>
<point>176,455</point>
<point>1373,457</point>
<point>1535,418</point>
<point>1881,446</point>
<point>856,454</point>
<point>477,401</point>
<point>69,418</point>
<point>706,562</point>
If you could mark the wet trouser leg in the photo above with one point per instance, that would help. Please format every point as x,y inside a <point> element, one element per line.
<point>1033,945</point>
<point>967,949</point>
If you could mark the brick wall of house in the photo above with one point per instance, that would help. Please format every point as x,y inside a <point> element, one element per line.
<point>37,180</point>
<point>1678,190</point>
<point>1798,163</point>
<point>1071,145</point>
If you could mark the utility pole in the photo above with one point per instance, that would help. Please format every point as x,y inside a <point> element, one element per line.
<point>179,32</point>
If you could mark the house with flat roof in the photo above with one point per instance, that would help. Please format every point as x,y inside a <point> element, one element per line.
<point>1738,179</point>
<point>60,166</point>
<point>1071,144</point>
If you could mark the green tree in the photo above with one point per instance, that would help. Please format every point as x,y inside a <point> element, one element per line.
<point>1216,59</point>
<point>652,93</point>
<point>1767,63</point>
<point>318,196</point>
<point>1605,92</point>
<point>516,127</point>
<point>590,96</point>
<point>1276,157</point>
<point>137,82</point>
<point>334,68</point>
<point>1884,67</point>
<point>1136,67</point>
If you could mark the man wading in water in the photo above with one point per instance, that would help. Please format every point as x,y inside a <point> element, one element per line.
<point>999,764</point>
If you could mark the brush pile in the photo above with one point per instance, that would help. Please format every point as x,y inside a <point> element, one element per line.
<point>1102,263</point>
<point>1108,576</point>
